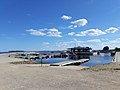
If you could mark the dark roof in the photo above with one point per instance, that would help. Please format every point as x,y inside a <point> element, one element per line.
<point>80,48</point>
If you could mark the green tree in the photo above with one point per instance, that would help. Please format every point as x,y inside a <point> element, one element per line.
<point>106,48</point>
<point>117,49</point>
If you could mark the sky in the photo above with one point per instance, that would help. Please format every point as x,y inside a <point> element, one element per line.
<point>59,24</point>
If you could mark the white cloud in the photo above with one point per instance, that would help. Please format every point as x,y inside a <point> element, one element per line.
<point>65,17</point>
<point>80,22</point>
<point>111,43</point>
<point>71,33</point>
<point>91,32</point>
<point>112,30</point>
<point>45,32</point>
<point>94,41</point>
<point>62,44</point>
<point>43,29</point>
<point>78,34</point>
<point>54,32</point>
<point>105,39</point>
<point>72,26</point>
<point>35,32</point>
<point>115,40</point>
<point>74,41</point>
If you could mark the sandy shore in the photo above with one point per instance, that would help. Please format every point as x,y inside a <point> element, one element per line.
<point>4,58</point>
<point>32,77</point>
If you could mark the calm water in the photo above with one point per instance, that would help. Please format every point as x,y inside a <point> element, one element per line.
<point>94,60</point>
<point>97,60</point>
<point>53,60</point>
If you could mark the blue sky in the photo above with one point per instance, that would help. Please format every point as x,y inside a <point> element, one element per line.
<point>59,24</point>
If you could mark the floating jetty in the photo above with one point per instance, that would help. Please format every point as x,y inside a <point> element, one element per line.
<point>66,63</point>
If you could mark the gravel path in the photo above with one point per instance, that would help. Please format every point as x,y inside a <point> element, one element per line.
<point>23,77</point>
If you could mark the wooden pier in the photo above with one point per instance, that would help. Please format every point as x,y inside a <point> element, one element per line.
<point>66,63</point>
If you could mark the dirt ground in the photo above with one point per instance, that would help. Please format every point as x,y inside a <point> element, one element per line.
<point>35,77</point>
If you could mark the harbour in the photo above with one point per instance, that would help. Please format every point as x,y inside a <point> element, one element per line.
<point>72,56</point>
<point>93,60</point>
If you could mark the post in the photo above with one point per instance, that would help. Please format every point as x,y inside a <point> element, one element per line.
<point>41,62</point>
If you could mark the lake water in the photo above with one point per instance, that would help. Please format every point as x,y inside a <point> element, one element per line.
<point>97,60</point>
<point>53,60</point>
<point>94,60</point>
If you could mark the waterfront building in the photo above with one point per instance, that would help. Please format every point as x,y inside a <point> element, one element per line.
<point>76,53</point>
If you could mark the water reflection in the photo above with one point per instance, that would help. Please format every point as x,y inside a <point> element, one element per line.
<point>97,60</point>
<point>53,60</point>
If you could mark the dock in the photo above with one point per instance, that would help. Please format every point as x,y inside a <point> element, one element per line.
<point>66,63</point>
